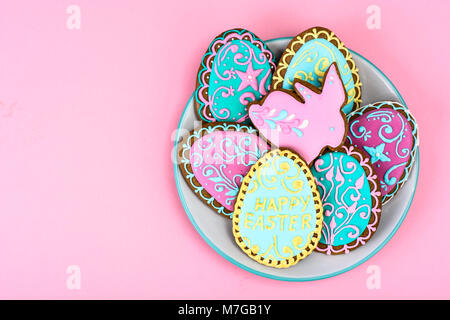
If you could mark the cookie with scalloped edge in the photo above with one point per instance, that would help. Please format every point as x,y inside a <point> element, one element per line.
<point>236,69</point>
<point>278,213</point>
<point>388,133</point>
<point>309,55</point>
<point>214,159</point>
<point>351,199</point>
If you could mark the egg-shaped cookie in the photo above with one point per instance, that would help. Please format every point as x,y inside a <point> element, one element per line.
<point>351,199</point>
<point>278,213</point>
<point>388,133</point>
<point>214,159</point>
<point>236,69</point>
<point>309,55</point>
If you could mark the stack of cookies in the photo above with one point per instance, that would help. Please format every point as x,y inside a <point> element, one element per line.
<point>287,152</point>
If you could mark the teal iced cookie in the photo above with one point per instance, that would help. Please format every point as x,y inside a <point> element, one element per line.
<point>351,199</point>
<point>236,69</point>
<point>309,55</point>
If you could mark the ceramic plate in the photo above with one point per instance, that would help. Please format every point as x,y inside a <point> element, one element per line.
<point>216,230</point>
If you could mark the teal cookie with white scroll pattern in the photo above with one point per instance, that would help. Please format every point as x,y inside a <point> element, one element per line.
<point>309,55</point>
<point>351,198</point>
<point>236,69</point>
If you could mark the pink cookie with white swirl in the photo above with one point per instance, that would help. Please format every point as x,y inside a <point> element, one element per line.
<point>387,132</point>
<point>215,158</point>
<point>306,122</point>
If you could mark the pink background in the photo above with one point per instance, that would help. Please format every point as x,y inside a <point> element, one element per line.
<point>86,123</point>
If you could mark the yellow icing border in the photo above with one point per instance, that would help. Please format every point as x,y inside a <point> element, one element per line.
<point>315,33</point>
<point>314,240</point>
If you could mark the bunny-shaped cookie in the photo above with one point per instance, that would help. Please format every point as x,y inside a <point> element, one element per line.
<point>307,121</point>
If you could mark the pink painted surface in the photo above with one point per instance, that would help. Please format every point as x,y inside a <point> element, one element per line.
<point>86,125</point>
<point>220,161</point>
<point>305,127</point>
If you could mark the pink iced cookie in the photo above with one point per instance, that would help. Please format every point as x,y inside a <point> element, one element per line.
<point>307,122</point>
<point>387,132</point>
<point>220,161</point>
<point>215,158</point>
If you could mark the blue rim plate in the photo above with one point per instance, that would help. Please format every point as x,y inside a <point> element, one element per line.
<point>378,87</point>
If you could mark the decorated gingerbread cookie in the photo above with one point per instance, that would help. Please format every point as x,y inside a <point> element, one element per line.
<point>309,55</point>
<point>215,158</point>
<point>236,69</point>
<point>305,122</point>
<point>387,133</point>
<point>351,199</point>
<point>278,213</point>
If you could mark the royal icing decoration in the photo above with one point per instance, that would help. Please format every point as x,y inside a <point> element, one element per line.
<point>351,199</point>
<point>387,133</point>
<point>309,55</point>
<point>236,69</point>
<point>215,158</point>
<point>306,123</point>
<point>278,212</point>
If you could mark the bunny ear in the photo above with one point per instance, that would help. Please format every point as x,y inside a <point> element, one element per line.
<point>333,90</point>
<point>303,91</point>
<point>333,86</point>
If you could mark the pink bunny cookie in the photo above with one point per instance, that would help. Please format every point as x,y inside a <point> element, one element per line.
<point>306,122</point>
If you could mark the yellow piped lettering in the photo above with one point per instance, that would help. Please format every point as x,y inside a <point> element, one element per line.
<point>272,205</point>
<point>305,221</point>
<point>282,217</point>
<point>292,223</point>
<point>272,223</point>
<point>259,222</point>
<point>281,202</point>
<point>260,205</point>
<point>246,220</point>
<point>294,202</point>
<point>305,203</point>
